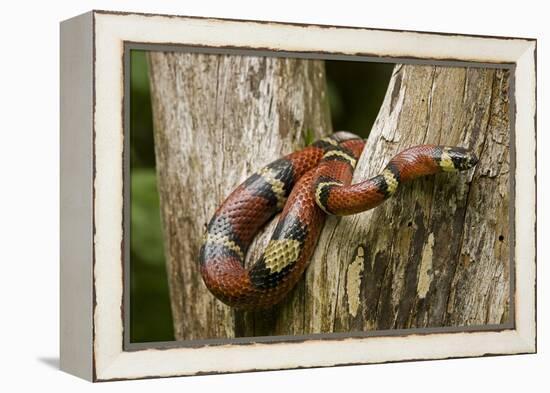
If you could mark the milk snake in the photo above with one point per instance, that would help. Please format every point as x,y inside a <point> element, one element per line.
<point>306,185</point>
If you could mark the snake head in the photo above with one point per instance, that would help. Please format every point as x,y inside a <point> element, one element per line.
<point>462,159</point>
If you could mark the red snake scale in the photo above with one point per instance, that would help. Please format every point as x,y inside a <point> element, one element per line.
<point>306,185</point>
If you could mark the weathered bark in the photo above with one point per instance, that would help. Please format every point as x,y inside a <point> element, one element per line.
<point>436,254</point>
<point>217,119</point>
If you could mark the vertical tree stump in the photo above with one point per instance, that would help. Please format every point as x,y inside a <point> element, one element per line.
<point>437,253</point>
<point>217,119</point>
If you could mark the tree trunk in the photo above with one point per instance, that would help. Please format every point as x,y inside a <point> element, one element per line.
<point>436,254</point>
<point>217,119</point>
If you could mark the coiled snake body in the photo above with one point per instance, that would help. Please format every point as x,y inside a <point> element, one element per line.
<point>306,185</point>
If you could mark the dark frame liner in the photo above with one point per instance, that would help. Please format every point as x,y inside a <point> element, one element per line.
<point>248,51</point>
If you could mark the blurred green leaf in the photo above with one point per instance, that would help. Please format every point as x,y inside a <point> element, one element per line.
<point>309,137</point>
<point>146,235</point>
<point>139,79</point>
<point>150,313</point>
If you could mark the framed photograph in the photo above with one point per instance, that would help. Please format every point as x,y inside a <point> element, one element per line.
<point>245,195</point>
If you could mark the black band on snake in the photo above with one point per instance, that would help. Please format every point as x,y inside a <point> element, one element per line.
<point>306,185</point>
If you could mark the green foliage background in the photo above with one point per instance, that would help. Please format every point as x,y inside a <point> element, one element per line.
<point>355,90</point>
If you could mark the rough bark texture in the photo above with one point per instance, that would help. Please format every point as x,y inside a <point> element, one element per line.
<point>436,254</point>
<point>217,119</point>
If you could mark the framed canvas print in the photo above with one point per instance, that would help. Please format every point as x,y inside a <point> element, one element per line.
<point>245,195</point>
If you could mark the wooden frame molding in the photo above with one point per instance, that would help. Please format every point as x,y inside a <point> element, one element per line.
<point>92,193</point>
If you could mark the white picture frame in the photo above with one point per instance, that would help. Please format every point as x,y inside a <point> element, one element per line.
<point>92,194</point>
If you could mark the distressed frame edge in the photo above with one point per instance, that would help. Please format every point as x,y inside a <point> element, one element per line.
<point>525,157</point>
<point>76,196</point>
<point>524,336</point>
<point>303,24</point>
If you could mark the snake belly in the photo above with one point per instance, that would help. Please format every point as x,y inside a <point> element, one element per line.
<point>306,185</point>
